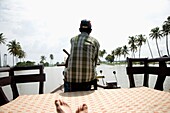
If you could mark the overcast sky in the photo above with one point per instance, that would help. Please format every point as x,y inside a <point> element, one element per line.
<point>44,27</point>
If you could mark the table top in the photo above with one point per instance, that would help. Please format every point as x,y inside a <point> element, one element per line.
<point>141,99</point>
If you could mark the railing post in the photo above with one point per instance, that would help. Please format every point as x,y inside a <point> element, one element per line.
<point>95,84</point>
<point>161,76</point>
<point>13,84</point>
<point>146,74</point>
<point>131,77</point>
<point>41,84</point>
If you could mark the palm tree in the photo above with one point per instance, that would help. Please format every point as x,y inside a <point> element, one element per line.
<point>109,58</point>
<point>43,58</point>
<point>166,31</point>
<point>2,41</point>
<point>118,52</point>
<point>113,52</point>
<point>133,47</point>
<point>51,57</point>
<point>113,55</point>
<point>140,40</point>
<point>101,53</point>
<point>156,34</point>
<point>21,54</point>
<point>14,48</point>
<point>125,51</point>
<point>149,47</point>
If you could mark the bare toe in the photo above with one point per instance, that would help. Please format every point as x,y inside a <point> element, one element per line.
<point>62,107</point>
<point>82,109</point>
<point>57,103</point>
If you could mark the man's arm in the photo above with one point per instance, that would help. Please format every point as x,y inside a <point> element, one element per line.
<point>96,57</point>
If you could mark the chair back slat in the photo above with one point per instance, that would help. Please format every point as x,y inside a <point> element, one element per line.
<point>161,70</point>
<point>12,79</point>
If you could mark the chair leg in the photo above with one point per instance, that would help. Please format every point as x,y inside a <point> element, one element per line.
<point>3,99</point>
<point>95,84</point>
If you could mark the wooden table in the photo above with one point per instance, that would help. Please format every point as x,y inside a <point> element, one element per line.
<point>141,99</point>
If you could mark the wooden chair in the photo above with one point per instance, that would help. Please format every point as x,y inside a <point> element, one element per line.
<point>161,71</point>
<point>25,78</point>
<point>12,80</point>
<point>4,81</point>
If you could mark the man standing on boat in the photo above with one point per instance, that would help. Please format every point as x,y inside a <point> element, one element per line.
<point>82,61</point>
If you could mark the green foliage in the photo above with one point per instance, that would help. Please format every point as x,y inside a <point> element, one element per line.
<point>110,58</point>
<point>44,63</point>
<point>156,34</point>
<point>27,63</point>
<point>102,52</point>
<point>2,39</point>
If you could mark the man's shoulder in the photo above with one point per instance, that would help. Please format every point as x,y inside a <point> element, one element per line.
<point>94,39</point>
<point>75,37</point>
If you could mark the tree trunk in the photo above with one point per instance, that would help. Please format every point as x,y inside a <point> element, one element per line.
<point>158,48</point>
<point>13,60</point>
<point>149,48</point>
<point>167,45</point>
<point>0,58</point>
<point>139,50</point>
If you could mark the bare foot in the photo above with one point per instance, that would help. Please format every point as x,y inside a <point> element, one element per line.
<point>82,109</point>
<point>62,107</point>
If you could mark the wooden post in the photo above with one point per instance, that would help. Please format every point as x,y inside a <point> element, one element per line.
<point>131,77</point>
<point>161,76</point>
<point>146,75</point>
<point>41,84</point>
<point>95,84</point>
<point>13,84</point>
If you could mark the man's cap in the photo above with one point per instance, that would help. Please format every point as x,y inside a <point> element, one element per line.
<point>85,24</point>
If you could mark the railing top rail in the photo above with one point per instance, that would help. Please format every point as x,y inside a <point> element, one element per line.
<point>5,69</point>
<point>159,59</point>
<point>17,68</point>
<point>8,69</point>
<point>149,59</point>
<point>137,59</point>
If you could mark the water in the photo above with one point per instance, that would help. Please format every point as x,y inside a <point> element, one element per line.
<point>54,79</point>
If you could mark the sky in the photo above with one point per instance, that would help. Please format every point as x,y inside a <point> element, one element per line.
<point>45,27</point>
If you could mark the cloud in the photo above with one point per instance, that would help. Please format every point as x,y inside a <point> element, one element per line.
<point>44,27</point>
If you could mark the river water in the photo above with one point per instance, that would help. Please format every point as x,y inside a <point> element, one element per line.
<point>54,79</point>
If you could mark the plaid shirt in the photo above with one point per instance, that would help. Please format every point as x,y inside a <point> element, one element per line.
<point>83,59</point>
